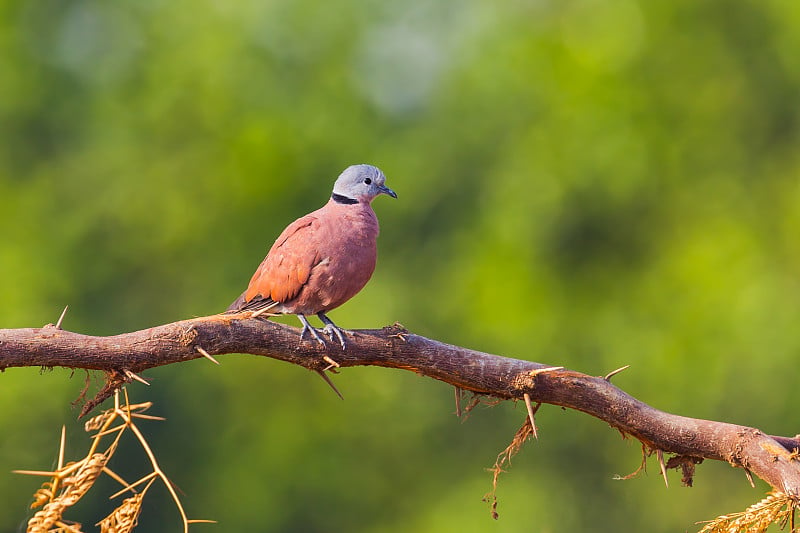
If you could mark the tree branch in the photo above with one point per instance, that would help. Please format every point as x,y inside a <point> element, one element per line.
<point>773,459</point>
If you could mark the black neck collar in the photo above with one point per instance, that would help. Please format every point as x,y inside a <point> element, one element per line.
<point>339,199</point>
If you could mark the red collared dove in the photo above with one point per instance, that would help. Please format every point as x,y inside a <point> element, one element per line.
<point>322,259</point>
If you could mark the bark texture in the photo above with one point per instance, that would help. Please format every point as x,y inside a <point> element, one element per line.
<point>773,459</point>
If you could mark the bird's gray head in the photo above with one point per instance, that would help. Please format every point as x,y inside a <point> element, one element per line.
<point>360,183</point>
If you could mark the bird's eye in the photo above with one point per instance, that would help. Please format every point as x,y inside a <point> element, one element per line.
<point>367,181</point>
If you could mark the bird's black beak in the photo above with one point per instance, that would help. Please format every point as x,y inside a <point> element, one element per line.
<point>386,190</point>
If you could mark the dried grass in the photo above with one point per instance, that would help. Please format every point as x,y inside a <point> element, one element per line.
<point>125,517</point>
<point>776,508</point>
<point>70,482</point>
<point>523,434</point>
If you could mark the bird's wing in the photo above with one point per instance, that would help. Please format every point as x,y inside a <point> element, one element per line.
<point>288,264</point>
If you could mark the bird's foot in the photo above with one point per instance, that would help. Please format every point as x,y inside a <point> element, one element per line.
<point>332,330</point>
<point>311,330</point>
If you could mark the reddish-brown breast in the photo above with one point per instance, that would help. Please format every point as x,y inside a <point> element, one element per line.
<point>320,260</point>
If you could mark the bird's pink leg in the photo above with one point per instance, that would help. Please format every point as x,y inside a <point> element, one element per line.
<point>332,329</point>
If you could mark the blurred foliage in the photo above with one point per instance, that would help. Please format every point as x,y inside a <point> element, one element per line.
<point>584,183</point>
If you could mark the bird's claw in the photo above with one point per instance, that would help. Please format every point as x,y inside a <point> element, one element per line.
<point>330,330</point>
<point>307,328</point>
<point>333,331</point>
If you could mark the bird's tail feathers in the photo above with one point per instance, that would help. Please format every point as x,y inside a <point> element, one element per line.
<point>259,305</point>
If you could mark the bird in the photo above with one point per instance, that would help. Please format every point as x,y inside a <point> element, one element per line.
<point>322,259</point>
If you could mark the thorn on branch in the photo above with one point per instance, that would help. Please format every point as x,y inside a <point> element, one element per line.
<point>205,354</point>
<point>749,477</point>
<point>615,372</point>
<point>458,393</point>
<point>531,412</point>
<point>325,377</point>
<point>136,377</point>
<point>61,318</point>
<point>660,455</point>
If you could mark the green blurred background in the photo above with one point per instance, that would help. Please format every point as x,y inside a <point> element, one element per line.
<point>583,183</point>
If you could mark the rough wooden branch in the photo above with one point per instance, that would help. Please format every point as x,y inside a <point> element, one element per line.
<point>774,459</point>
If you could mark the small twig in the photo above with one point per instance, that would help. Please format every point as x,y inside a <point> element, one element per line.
<point>615,372</point>
<point>531,412</point>
<point>660,455</point>
<point>458,392</point>
<point>87,382</point>
<point>472,404</point>
<point>206,354</point>
<point>642,466</point>
<point>61,318</point>
<point>114,380</point>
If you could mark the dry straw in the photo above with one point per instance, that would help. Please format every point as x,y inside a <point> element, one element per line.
<point>70,482</point>
<point>776,508</point>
